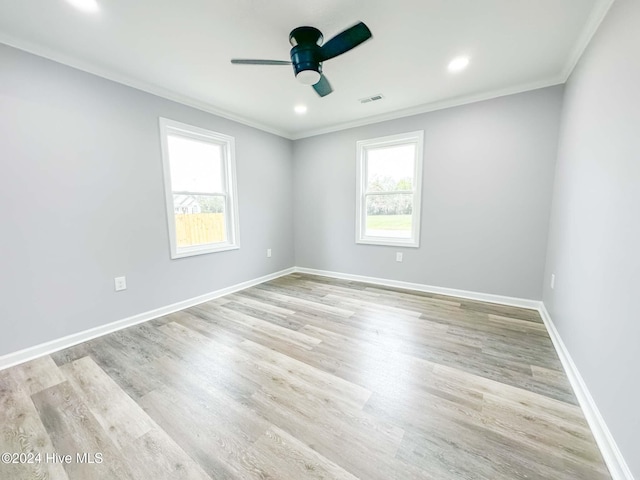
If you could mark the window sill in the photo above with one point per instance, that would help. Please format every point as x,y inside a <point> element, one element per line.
<point>203,250</point>
<point>389,242</point>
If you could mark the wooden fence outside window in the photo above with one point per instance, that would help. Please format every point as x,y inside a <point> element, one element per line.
<point>199,228</point>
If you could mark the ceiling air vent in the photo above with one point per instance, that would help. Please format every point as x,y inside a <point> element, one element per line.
<point>373,98</point>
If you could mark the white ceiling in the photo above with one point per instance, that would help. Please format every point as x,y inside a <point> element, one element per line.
<point>181,50</point>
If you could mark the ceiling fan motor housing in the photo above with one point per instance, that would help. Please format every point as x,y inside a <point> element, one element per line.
<point>308,53</point>
<point>305,54</point>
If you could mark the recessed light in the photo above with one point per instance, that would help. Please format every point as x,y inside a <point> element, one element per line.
<point>300,109</point>
<point>85,5</point>
<point>458,64</point>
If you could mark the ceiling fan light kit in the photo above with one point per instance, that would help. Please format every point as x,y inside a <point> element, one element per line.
<point>308,53</point>
<point>304,54</point>
<point>308,77</point>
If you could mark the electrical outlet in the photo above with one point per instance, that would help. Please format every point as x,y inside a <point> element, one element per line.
<point>120,283</point>
<point>553,281</point>
<point>268,253</point>
<point>398,256</point>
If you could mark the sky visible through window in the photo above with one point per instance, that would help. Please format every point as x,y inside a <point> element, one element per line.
<point>195,166</point>
<point>395,162</point>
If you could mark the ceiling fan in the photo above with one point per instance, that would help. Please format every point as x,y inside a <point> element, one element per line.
<point>308,53</point>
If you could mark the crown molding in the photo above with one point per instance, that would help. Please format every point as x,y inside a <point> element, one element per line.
<point>593,23</point>
<point>138,85</point>
<point>206,107</point>
<point>595,19</point>
<point>431,107</point>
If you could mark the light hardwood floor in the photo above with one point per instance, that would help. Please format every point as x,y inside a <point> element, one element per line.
<point>305,377</point>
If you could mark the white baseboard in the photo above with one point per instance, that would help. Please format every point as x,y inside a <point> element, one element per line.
<point>610,452</point>
<point>47,348</point>
<point>481,297</point>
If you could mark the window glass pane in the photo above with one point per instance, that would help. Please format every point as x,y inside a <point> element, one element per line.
<point>389,215</point>
<point>390,168</point>
<point>200,219</point>
<point>195,166</point>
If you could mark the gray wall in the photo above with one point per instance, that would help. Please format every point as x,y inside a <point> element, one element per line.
<point>594,240</point>
<point>488,177</point>
<point>82,201</point>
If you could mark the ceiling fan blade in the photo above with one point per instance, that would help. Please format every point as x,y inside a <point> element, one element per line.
<point>345,41</point>
<point>323,87</point>
<point>243,61</point>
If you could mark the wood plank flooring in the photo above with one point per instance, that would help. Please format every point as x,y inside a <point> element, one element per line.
<point>305,377</point>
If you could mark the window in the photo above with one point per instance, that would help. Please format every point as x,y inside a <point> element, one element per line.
<point>389,174</point>
<point>200,189</point>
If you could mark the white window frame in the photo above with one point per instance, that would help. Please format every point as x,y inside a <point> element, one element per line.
<point>362,148</point>
<point>227,144</point>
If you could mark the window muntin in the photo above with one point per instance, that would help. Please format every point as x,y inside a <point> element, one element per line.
<point>389,189</point>
<point>200,186</point>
